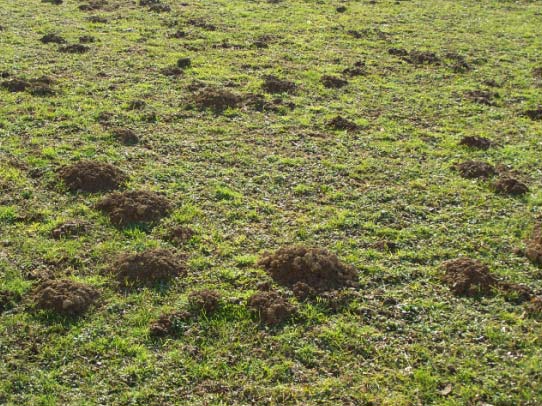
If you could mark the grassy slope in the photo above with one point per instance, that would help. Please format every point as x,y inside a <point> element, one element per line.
<point>248,181</point>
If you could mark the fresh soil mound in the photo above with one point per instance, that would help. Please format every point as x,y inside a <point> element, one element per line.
<point>87,39</point>
<point>179,235</point>
<point>169,323</point>
<point>92,176</point>
<point>342,124</point>
<point>206,301</point>
<point>8,300</point>
<point>65,297</point>
<point>534,246</point>
<point>475,169</point>
<point>534,114</point>
<point>357,70</point>
<point>52,39</point>
<point>184,62</point>
<point>510,186</point>
<point>69,229</point>
<point>15,85</point>
<point>469,277</point>
<point>134,207</point>
<point>422,58</point>
<point>481,97</point>
<point>308,269</point>
<point>476,142</point>
<point>534,308</point>
<point>37,87</point>
<point>273,84</point>
<point>217,100</point>
<point>272,308</point>
<point>333,82</point>
<point>398,52</point>
<point>147,268</point>
<point>74,49</point>
<point>514,292</point>
<point>126,136</point>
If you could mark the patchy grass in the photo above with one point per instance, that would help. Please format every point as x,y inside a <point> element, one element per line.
<point>265,172</point>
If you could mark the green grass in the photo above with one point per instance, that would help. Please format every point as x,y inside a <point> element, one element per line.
<point>248,181</point>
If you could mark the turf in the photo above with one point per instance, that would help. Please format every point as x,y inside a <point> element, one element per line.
<point>246,181</point>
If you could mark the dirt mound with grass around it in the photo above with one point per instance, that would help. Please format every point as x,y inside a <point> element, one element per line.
<point>271,307</point>
<point>64,297</point>
<point>92,177</point>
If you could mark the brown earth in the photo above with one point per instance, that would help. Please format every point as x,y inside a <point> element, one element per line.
<point>476,142</point>
<point>147,268</point>
<point>534,307</point>
<point>125,136</point>
<point>357,70</point>
<point>92,176</point>
<point>206,301</point>
<point>179,235</point>
<point>308,271</point>
<point>52,39</point>
<point>422,58</point>
<point>469,277</point>
<point>37,87</point>
<point>481,97</point>
<point>69,229</point>
<point>534,114</point>
<point>475,169</point>
<point>74,49</point>
<point>271,307</point>
<point>87,39</point>
<point>184,62</point>
<point>168,323</point>
<point>533,251</point>
<point>217,100</point>
<point>64,296</point>
<point>333,82</point>
<point>510,186</point>
<point>135,206</point>
<point>273,84</point>
<point>342,124</point>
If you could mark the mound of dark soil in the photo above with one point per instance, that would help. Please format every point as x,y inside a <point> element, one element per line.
<point>65,297</point>
<point>201,23</point>
<point>398,52</point>
<point>217,100</point>
<point>87,39</point>
<point>510,186</point>
<point>422,58</point>
<point>333,82</point>
<point>135,206</point>
<point>52,39</point>
<point>173,71</point>
<point>206,301</point>
<point>357,70</point>
<point>93,5</point>
<point>147,268</point>
<point>179,235</point>
<point>271,307</point>
<point>184,63</point>
<point>343,124</point>
<point>74,49</point>
<point>476,142</point>
<point>481,97</point>
<point>8,300</point>
<point>37,87</point>
<point>534,114</point>
<point>92,176</point>
<point>475,169</point>
<point>125,136</point>
<point>341,9</point>
<point>534,308</point>
<point>15,85</point>
<point>169,323</point>
<point>55,2</point>
<point>514,292</point>
<point>69,229</point>
<point>273,84</point>
<point>305,269</point>
<point>534,246</point>
<point>469,277</point>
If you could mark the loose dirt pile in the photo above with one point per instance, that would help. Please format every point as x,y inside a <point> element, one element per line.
<point>534,307</point>
<point>510,186</point>
<point>74,49</point>
<point>65,297</point>
<point>52,39</point>
<point>37,87</point>
<point>179,235</point>
<point>271,307</point>
<point>134,207</point>
<point>475,169</point>
<point>476,142</point>
<point>147,268</point>
<point>168,324</point>
<point>308,271</point>
<point>92,177</point>
<point>273,84</point>
<point>342,124</point>
<point>416,57</point>
<point>217,100</point>
<point>534,246</point>
<point>333,82</point>
<point>206,301</point>
<point>534,114</point>
<point>125,136</point>
<point>481,97</point>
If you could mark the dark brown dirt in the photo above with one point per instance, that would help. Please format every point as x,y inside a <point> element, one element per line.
<point>484,97</point>
<point>534,114</point>
<point>37,87</point>
<point>135,206</point>
<point>458,62</point>
<point>537,73</point>
<point>15,85</point>
<point>204,301</point>
<point>173,71</point>
<point>514,292</point>
<point>422,58</point>
<point>273,84</point>
<point>65,297</point>
<point>87,39</point>
<point>271,307</point>
<point>534,307</point>
<point>510,186</point>
<point>8,300</point>
<point>333,82</point>
<point>357,70</point>
<point>125,136</point>
<point>147,268</point>
<point>168,324</point>
<point>303,268</point>
<point>92,177</point>
<point>469,277</point>
<point>137,105</point>
<point>533,251</point>
<point>475,169</point>
<point>55,2</point>
<point>384,245</point>
<point>74,49</point>
<point>217,100</point>
<point>179,235</point>
<point>179,34</point>
<point>52,39</point>
<point>201,23</point>
<point>97,19</point>
<point>476,142</point>
<point>342,124</point>
<point>263,41</point>
<point>341,9</point>
<point>71,229</point>
<point>184,63</point>
<point>160,8</point>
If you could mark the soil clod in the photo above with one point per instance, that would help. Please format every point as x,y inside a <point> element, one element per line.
<point>217,100</point>
<point>179,235</point>
<point>475,169</point>
<point>74,49</point>
<point>534,114</point>
<point>333,82</point>
<point>65,297</point>
<point>510,186</point>
<point>52,39</point>
<point>271,307</point>
<point>125,136</point>
<point>476,142</point>
<point>169,323</point>
<point>273,84</point>
<point>533,251</point>
<point>469,277</point>
<point>134,207</point>
<point>206,301</point>
<point>342,124</point>
<point>92,176</point>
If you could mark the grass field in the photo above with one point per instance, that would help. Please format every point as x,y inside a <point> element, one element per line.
<point>257,171</point>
